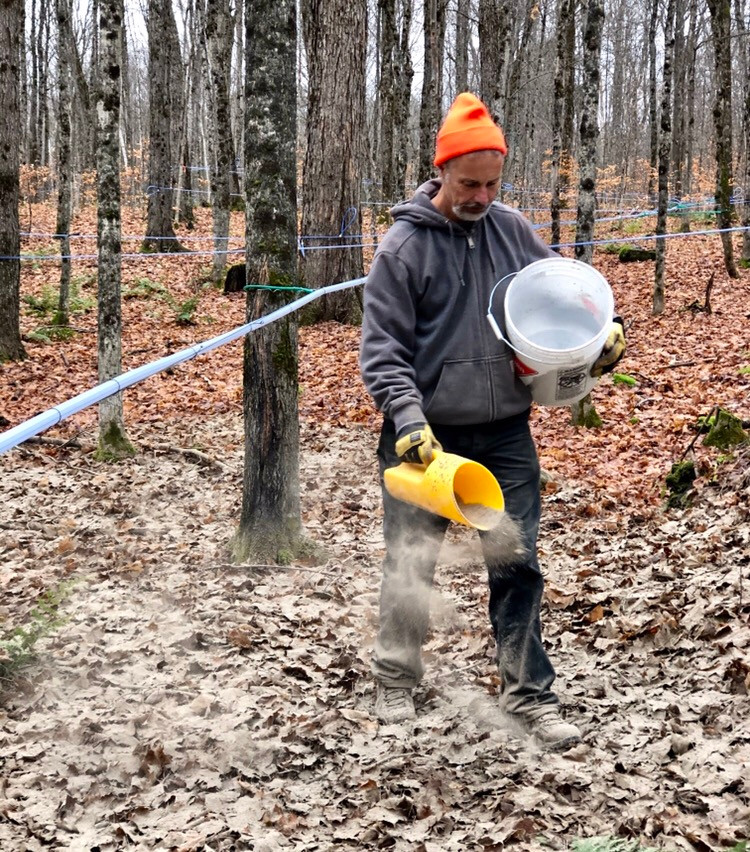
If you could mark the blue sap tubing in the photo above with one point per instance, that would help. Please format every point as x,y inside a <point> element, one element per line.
<point>18,434</point>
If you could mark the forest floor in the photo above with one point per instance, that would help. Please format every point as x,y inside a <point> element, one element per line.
<point>189,703</point>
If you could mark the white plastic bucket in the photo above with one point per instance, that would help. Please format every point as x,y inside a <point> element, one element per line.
<point>558,315</point>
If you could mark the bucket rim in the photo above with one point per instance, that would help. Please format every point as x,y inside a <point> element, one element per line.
<point>570,262</point>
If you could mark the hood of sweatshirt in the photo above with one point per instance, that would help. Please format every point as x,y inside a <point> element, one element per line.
<point>420,211</point>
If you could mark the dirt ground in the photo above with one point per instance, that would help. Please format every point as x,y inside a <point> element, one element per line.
<point>191,704</point>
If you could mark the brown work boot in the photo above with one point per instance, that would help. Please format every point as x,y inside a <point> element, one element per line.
<point>394,704</point>
<point>551,731</point>
<point>547,727</point>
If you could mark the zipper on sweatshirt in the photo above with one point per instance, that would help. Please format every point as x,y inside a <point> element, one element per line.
<point>487,341</point>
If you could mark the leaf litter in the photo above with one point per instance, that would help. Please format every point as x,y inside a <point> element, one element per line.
<point>191,704</point>
<point>188,703</point>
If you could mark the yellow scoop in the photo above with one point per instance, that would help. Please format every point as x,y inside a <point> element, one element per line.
<point>451,486</point>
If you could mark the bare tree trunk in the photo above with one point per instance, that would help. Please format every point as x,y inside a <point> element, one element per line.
<point>583,413</point>
<point>64,165</point>
<point>744,33</point>
<point>462,47</point>
<point>562,118</point>
<point>164,63</point>
<point>495,29</point>
<point>528,161</point>
<point>184,206</point>
<point>11,29</point>
<point>690,86</point>
<point>43,129</point>
<point>515,92</point>
<point>721,30</point>
<point>32,135</point>
<point>403,73</point>
<point>218,37</point>
<point>589,130</point>
<point>237,131</point>
<point>679,132</point>
<point>652,102</point>
<point>376,117</point>
<point>387,96</point>
<point>430,111</point>
<point>191,105</point>
<point>665,144</point>
<point>126,112</point>
<point>84,120</point>
<point>270,524</point>
<point>113,440</point>
<point>334,32</point>
<point>23,112</point>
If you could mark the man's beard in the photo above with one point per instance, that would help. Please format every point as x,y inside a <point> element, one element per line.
<point>471,215</point>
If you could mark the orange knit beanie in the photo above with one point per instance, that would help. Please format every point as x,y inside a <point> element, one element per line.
<point>468,127</point>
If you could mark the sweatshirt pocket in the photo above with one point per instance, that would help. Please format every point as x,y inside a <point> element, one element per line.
<point>477,390</point>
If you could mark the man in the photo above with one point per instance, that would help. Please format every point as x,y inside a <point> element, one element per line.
<point>441,378</point>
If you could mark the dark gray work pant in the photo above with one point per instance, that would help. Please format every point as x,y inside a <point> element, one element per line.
<point>413,538</point>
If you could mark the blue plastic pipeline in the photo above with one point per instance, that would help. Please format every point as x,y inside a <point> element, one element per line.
<point>18,434</point>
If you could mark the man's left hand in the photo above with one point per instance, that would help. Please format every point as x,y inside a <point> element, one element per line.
<point>614,349</point>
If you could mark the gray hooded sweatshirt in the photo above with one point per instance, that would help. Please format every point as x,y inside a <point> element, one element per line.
<point>428,352</point>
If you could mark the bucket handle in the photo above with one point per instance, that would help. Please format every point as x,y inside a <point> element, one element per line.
<point>491,319</point>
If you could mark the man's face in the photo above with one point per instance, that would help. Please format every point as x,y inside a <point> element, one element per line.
<point>470,184</point>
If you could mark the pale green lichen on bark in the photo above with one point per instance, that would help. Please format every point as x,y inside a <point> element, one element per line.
<point>679,481</point>
<point>584,414</point>
<point>275,545</point>
<point>725,432</point>
<point>114,444</point>
<point>285,358</point>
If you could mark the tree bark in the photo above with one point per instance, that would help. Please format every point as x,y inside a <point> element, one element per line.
<point>430,109</point>
<point>527,165</point>
<point>665,145</point>
<point>652,103</point>
<point>127,141</point>
<point>516,93</point>
<point>219,30</point>
<point>84,120</point>
<point>583,413</point>
<point>589,131</point>
<point>32,136</point>
<point>403,73</point>
<point>462,47</point>
<point>690,86</point>
<point>721,30</point>
<point>237,130</point>
<point>387,96</point>
<point>191,106</point>
<point>495,29</point>
<point>334,32</point>
<point>11,29</point>
<point>562,118</point>
<point>685,93</point>
<point>164,63</point>
<point>43,118</point>
<point>680,62</point>
<point>744,32</point>
<point>270,524</point>
<point>113,440</point>
<point>64,164</point>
